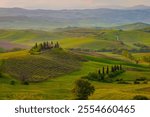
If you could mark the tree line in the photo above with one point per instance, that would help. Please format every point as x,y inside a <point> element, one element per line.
<point>105,73</point>
<point>44,46</point>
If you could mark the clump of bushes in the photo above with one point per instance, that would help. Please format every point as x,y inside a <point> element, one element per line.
<point>25,83</point>
<point>116,73</point>
<point>119,79</point>
<point>12,82</point>
<point>93,76</point>
<point>140,97</point>
<point>145,82</point>
<point>136,82</point>
<point>141,79</point>
<point>123,82</point>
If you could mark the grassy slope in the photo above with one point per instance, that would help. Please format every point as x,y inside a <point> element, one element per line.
<point>17,54</point>
<point>49,64</point>
<point>60,87</point>
<point>79,37</point>
<point>138,25</point>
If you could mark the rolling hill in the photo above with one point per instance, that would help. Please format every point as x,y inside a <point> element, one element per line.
<point>134,26</point>
<point>84,38</point>
<point>87,41</point>
<point>18,18</point>
<point>61,86</point>
<point>35,68</point>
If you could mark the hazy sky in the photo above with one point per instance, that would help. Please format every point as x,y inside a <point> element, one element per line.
<point>70,4</point>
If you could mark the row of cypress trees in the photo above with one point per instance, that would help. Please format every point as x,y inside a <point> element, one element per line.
<point>111,69</point>
<point>105,74</point>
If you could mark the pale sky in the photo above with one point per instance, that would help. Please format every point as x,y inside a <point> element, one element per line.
<point>71,4</point>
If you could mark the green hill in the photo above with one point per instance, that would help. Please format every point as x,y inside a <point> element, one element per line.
<point>84,38</point>
<point>67,68</point>
<point>134,26</point>
<point>49,64</point>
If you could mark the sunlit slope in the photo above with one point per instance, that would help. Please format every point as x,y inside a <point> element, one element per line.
<point>87,38</point>
<point>17,54</point>
<point>61,87</point>
<point>26,35</point>
<point>40,67</point>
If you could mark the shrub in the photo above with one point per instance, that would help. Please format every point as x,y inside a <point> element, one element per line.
<point>25,83</point>
<point>108,80</point>
<point>83,89</point>
<point>136,82</point>
<point>116,73</point>
<point>119,79</point>
<point>123,82</point>
<point>140,97</point>
<point>93,76</point>
<point>145,82</point>
<point>12,82</point>
<point>141,79</point>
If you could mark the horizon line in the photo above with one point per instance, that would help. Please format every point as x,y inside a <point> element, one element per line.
<point>102,7</point>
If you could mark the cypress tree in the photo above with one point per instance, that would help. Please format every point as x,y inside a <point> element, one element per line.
<point>107,70</point>
<point>52,46</point>
<point>120,67</point>
<point>103,70</point>
<point>41,46</point>
<point>56,45</point>
<point>116,67</point>
<point>99,71</point>
<point>47,45</point>
<point>44,45</point>
<point>112,68</point>
<point>36,45</point>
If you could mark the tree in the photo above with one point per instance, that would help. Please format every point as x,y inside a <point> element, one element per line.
<point>103,70</point>
<point>57,45</point>
<point>107,70</point>
<point>112,68</point>
<point>120,67</point>
<point>99,71</point>
<point>83,89</point>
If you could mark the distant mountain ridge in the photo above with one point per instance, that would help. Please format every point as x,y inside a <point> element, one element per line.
<point>49,19</point>
<point>140,7</point>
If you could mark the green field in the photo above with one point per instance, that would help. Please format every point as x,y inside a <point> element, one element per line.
<point>61,86</point>
<point>85,38</point>
<point>51,74</point>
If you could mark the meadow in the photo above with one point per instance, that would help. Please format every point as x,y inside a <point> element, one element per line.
<point>52,73</point>
<point>85,38</point>
<point>61,86</point>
